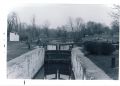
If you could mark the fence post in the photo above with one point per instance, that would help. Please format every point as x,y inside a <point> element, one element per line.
<point>113,62</point>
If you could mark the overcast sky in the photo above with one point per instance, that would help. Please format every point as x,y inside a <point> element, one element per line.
<point>58,14</point>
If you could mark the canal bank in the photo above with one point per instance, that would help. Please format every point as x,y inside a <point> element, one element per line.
<point>84,68</point>
<point>31,65</point>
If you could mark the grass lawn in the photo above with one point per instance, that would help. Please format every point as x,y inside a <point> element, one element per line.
<point>15,49</point>
<point>104,62</point>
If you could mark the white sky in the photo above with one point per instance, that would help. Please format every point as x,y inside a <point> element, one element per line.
<point>58,14</point>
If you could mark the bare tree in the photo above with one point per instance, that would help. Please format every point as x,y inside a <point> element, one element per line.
<point>79,23</point>
<point>76,26</point>
<point>116,12</point>
<point>59,32</point>
<point>79,26</point>
<point>46,28</point>
<point>12,23</point>
<point>71,25</point>
<point>116,16</point>
<point>33,28</point>
<point>64,34</point>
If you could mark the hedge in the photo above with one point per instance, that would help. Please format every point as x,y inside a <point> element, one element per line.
<point>99,47</point>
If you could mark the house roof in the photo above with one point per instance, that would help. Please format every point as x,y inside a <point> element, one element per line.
<point>14,32</point>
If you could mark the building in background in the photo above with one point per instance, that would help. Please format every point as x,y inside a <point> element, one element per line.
<point>14,36</point>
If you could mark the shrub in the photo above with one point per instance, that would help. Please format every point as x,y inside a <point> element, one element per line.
<point>92,47</point>
<point>99,47</point>
<point>107,48</point>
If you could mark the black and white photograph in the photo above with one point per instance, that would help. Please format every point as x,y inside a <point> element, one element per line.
<point>63,42</point>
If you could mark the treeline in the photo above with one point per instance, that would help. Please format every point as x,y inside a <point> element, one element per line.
<point>74,29</point>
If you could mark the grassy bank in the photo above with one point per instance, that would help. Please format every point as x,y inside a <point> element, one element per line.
<point>104,62</point>
<point>15,49</point>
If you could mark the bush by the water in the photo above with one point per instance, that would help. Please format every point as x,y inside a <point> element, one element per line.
<point>99,47</point>
<point>107,48</point>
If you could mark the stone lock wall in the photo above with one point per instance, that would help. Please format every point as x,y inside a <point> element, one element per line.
<point>26,65</point>
<point>84,69</point>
